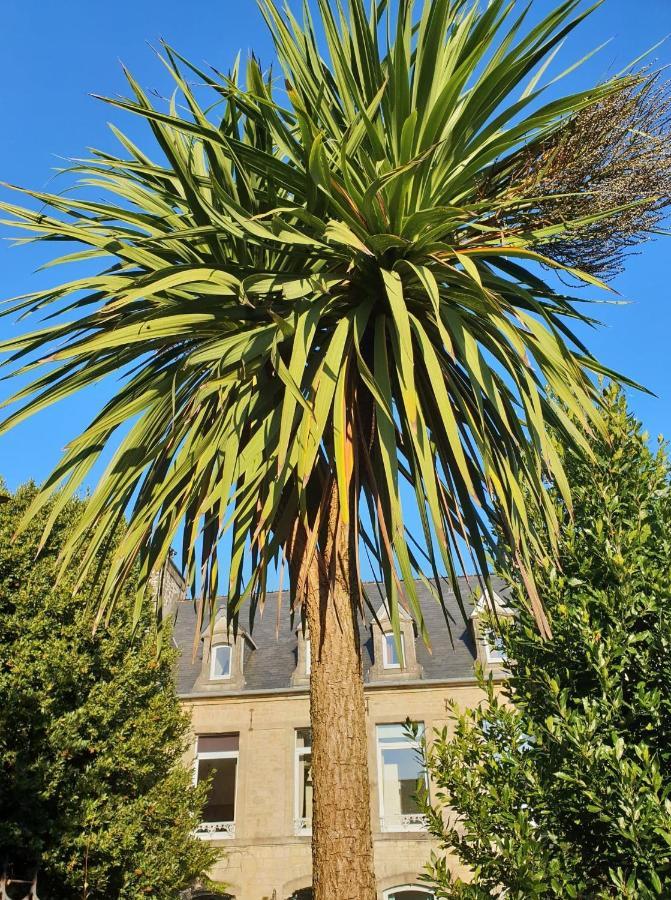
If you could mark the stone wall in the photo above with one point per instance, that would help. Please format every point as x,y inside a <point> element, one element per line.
<point>266,859</point>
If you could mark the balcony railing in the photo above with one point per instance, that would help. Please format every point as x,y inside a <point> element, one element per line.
<point>404,822</point>
<point>216,830</point>
<point>302,826</point>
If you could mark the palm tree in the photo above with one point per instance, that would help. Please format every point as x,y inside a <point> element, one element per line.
<point>318,292</point>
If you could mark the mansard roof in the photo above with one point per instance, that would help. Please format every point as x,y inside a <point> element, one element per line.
<point>270,665</point>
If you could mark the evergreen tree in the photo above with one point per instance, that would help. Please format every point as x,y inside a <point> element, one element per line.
<point>92,792</point>
<point>560,785</point>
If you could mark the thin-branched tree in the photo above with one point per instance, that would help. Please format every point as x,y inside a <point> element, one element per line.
<point>322,288</point>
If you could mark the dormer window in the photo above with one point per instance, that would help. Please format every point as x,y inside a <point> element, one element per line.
<point>488,616</point>
<point>495,649</point>
<point>390,658</point>
<point>221,662</point>
<point>391,662</point>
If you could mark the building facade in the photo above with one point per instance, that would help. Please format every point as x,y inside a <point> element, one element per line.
<point>249,706</point>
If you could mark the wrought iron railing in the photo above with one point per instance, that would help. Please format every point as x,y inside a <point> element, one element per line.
<point>216,830</point>
<point>302,826</point>
<point>404,822</point>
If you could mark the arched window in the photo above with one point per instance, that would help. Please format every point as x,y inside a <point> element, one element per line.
<point>205,895</point>
<point>302,894</point>
<point>408,892</point>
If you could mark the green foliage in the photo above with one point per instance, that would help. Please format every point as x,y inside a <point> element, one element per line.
<point>331,282</point>
<point>567,793</point>
<point>92,790</point>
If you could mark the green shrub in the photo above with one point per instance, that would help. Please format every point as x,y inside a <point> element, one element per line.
<point>92,792</point>
<point>560,786</point>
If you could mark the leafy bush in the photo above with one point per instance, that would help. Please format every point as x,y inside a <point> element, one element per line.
<point>92,791</point>
<point>560,784</point>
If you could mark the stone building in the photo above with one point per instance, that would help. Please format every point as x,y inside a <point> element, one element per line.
<point>248,699</point>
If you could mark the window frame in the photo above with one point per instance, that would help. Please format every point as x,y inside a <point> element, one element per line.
<point>485,631</point>
<point>213,658</point>
<point>405,744</point>
<point>386,664</point>
<point>299,752</point>
<point>205,830</point>
<point>389,894</point>
<point>492,655</point>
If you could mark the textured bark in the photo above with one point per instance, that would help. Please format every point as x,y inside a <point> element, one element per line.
<point>342,845</point>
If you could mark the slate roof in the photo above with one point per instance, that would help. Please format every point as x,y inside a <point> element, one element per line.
<point>271,663</point>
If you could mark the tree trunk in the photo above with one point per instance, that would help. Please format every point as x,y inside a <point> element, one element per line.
<point>342,844</point>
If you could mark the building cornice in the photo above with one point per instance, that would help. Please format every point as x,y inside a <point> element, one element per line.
<point>303,691</point>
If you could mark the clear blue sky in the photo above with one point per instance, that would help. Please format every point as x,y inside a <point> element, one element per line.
<point>53,54</point>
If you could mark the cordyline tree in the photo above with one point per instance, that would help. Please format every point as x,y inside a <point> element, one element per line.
<point>319,289</point>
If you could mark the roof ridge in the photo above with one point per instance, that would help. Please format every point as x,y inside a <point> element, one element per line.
<point>374,582</point>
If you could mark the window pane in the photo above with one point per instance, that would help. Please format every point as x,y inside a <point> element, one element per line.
<point>400,771</point>
<point>410,894</point>
<point>221,661</point>
<point>401,767</point>
<point>303,737</point>
<point>204,895</point>
<point>220,804</point>
<point>495,649</point>
<point>391,660</point>
<point>305,786</point>
<point>303,775</point>
<point>218,743</point>
<point>387,734</point>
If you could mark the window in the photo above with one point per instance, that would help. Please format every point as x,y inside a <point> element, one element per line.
<point>303,780</point>
<point>221,662</point>
<point>393,660</point>
<point>409,892</point>
<point>495,649</point>
<point>400,767</point>
<point>491,617</point>
<point>217,761</point>
<point>390,658</point>
<point>206,895</point>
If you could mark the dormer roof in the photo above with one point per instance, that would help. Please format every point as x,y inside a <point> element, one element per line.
<point>493,602</point>
<point>271,665</point>
<point>382,614</point>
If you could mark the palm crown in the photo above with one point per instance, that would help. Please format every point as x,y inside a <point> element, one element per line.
<point>330,280</point>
